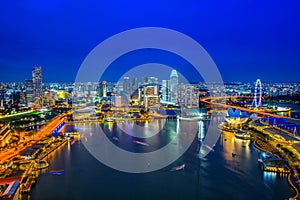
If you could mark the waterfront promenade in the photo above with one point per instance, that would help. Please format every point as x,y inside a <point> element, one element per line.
<point>45,131</point>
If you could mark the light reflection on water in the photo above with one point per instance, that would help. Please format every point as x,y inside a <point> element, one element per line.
<point>218,176</point>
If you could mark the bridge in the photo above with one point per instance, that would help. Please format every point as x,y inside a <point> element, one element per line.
<point>222,104</point>
<point>256,103</point>
<point>48,129</point>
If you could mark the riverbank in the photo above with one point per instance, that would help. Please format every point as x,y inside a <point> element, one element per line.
<point>26,171</point>
<point>198,180</point>
<point>265,146</point>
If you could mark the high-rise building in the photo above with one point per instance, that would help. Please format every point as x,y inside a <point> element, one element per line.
<point>37,85</point>
<point>117,101</point>
<point>188,96</point>
<point>135,88</point>
<point>150,101</point>
<point>101,89</point>
<point>29,91</point>
<point>110,88</point>
<point>151,97</point>
<point>173,86</point>
<point>2,97</point>
<point>120,100</point>
<point>119,87</point>
<point>152,80</point>
<point>126,85</point>
<point>150,90</point>
<point>165,90</point>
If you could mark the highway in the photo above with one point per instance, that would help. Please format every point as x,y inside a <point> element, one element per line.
<point>45,131</point>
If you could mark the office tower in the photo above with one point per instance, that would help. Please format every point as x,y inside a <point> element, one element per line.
<point>110,87</point>
<point>101,89</point>
<point>151,97</point>
<point>119,87</point>
<point>152,80</point>
<point>37,85</point>
<point>29,91</point>
<point>188,96</point>
<point>117,101</point>
<point>120,100</point>
<point>89,88</point>
<point>150,90</point>
<point>165,90</point>
<point>2,97</point>
<point>173,86</point>
<point>126,85</point>
<point>16,97</point>
<point>134,88</point>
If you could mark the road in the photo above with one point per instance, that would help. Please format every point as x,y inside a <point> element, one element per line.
<point>45,131</point>
<point>211,100</point>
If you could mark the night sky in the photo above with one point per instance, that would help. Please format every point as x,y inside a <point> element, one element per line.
<point>247,39</point>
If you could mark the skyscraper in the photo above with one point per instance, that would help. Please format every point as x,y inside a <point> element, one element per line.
<point>2,97</point>
<point>151,97</point>
<point>165,90</point>
<point>134,88</point>
<point>29,91</point>
<point>37,84</point>
<point>126,85</point>
<point>188,96</point>
<point>173,86</point>
<point>101,89</point>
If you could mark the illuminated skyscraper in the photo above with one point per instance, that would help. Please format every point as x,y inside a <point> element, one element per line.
<point>126,84</point>
<point>29,91</point>
<point>151,97</point>
<point>101,89</point>
<point>173,86</point>
<point>165,90</point>
<point>188,96</point>
<point>135,88</point>
<point>126,88</point>
<point>37,84</point>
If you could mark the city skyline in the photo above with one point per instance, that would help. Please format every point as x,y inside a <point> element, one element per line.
<point>150,100</point>
<point>262,41</point>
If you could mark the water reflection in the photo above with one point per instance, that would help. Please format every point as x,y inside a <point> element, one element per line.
<point>201,131</point>
<point>219,176</point>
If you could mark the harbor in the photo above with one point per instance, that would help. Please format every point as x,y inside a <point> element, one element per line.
<point>252,138</point>
<point>196,179</point>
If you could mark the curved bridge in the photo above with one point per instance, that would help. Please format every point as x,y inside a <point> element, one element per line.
<point>212,101</point>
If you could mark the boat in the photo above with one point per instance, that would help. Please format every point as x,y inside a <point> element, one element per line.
<point>181,167</point>
<point>208,147</point>
<point>57,172</point>
<point>74,141</point>
<point>115,138</point>
<point>71,135</point>
<point>141,143</point>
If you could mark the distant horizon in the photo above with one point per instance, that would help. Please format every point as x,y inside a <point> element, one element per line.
<point>195,82</point>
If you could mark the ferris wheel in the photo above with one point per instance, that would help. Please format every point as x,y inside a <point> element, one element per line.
<point>257,94</point>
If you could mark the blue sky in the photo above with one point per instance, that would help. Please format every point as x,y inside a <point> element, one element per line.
<point>247,39</point>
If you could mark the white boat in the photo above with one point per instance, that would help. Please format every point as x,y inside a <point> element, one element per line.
<point>181,167</point>
<point>140,143</point>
